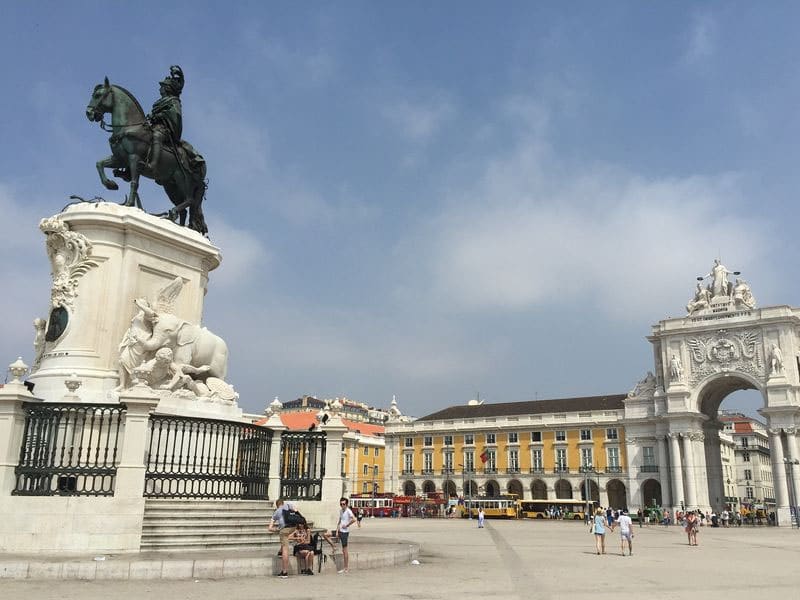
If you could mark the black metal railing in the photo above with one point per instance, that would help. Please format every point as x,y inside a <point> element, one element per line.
<point>190,457</point>
<point>537,469</point>
<point>69,449</point>
<point>648,469</point>
<point>302,464</point>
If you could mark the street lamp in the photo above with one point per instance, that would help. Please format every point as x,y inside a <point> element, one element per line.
<point>463,487</point>
<point>794,518</point>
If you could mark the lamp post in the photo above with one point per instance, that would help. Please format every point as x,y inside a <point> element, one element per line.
<point>463,490</point>
<point>586,469</point>
<point>794,518</point>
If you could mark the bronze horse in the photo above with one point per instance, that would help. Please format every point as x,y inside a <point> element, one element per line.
<point>130,141</point>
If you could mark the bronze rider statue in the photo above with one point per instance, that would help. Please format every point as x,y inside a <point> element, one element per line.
<point>166,117</point>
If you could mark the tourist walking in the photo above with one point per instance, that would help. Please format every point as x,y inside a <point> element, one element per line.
<point>481,517</point>
<point>692,525</point>
<point>599,531</point>
<point>625,525</point>
<point>346,519</point>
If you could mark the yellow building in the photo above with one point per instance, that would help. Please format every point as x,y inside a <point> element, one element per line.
<point>363,460</point>
<point>544,449</point>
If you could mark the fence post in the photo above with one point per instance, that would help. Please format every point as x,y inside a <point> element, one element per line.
<point>332,481</point>
<point>275,459</point>
<point>12,428</point>
<point>140,402</point>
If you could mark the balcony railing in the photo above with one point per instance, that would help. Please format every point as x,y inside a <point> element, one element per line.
<point>408,471</point>
<point>648,469</point>
<point>447,471</point>
<point>490,470</point>
<point>427,471</point>
<point>511,470</point>
<point>561,469</point>
<point>537,470</point>
<point>616,469</point>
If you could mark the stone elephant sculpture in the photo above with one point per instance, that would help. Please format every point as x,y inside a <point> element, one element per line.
<point>190,344</point>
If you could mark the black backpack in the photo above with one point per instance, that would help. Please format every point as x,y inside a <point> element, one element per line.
<point>293,518</point>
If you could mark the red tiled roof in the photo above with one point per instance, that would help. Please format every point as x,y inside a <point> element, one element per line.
<point>301,421</point>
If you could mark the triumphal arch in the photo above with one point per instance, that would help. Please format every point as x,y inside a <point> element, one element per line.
<point>724,343</point>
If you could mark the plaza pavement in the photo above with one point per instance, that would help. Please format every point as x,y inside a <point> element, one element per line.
<point>509,560</point>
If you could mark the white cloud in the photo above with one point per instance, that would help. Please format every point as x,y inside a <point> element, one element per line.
<point>702,38</point>
<point>419,120</point>
<point>531,232</point>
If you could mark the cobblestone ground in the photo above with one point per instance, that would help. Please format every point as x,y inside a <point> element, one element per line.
<point>509,560</point>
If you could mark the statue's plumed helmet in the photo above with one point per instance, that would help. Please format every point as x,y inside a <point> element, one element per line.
<point>174,81</point>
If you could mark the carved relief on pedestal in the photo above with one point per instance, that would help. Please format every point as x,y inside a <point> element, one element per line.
<point>726,351</point>
<point>69,253</point>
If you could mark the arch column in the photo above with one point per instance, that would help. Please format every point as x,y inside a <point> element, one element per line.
<point>688,456</point>
<point>794,468</point>
<point>677,470</point>
<point>778,471</point>
<point>663,477</point>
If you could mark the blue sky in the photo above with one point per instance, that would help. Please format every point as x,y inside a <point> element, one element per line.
<point>431,200</point>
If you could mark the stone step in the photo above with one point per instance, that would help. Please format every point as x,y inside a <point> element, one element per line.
<point>174,532</point>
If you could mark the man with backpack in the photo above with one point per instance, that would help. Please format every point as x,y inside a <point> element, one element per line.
<point>284,520</point>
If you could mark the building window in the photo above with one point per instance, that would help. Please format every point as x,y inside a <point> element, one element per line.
<point>648,456</point>
<point>613,458</point>
<point>536,460</point>
<point>366,451</point>
<point>745,442</point>
<point>427,440</point>
<point>749,493</point>
<point>612,434</point>
<point>448,440</point>
<point>375,471</point>
<point>586,457</point>
<point>469,439</point>
<point>469,461</point>
<point>365,488</point>
<point>586,434</point>
<point>513,438</point>
<point>491,461</point>
<point>408,463</point>
<point>427,462</point>
<point>748,474</point>
<point>366,469</point>
<point>448,461</point>
<point>409,442</point>
<point>491,438</point>
<point>536,436</point>
<point>377,451</point>
<point>513,460</point>
<point>561,435</point>
<point>746,456</point>
<point>561,459</point>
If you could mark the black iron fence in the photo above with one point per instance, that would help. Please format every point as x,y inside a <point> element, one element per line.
<point>191,457</point>
<point>302,464</point>
<point>69,449</point>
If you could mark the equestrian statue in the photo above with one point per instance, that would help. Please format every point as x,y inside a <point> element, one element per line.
<point>151,146</point>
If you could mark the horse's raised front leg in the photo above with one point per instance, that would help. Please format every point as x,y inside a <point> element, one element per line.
<point>133,170</point>
<point>107,163</point>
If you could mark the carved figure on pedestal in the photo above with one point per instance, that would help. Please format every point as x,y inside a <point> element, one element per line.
<point>775,360</point>
<point>702,299</point>
<point>131,352</point>
<point>645,387</point>
<point>742,295</point>
<point>675,368</point>
<point>155,328</point>
<point>720,286</point>
<point>165,374</point>
<point>39,325</point>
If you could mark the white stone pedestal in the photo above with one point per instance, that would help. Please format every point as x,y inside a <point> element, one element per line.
<point>104,256</point>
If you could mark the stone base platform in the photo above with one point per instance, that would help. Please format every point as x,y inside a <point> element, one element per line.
<point>365,553</point>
